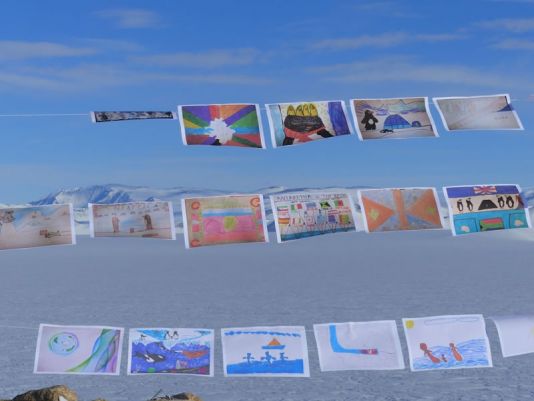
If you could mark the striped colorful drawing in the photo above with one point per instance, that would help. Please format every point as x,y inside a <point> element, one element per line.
<point>222,125</point>
<point>224,220</point>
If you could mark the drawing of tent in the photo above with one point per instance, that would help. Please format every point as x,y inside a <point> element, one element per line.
<point>395,121</point>
<point>487,204</point>
<point>274,344</point>
<point>508,107</point>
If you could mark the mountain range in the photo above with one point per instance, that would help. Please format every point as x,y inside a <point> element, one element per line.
<point>117,193</point>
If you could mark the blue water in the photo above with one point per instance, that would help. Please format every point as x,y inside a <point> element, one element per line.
<point>156,358</point>
<point>306,234</point>
<point>474,353</point>
<point>296,367</point>
<point>473,220</point>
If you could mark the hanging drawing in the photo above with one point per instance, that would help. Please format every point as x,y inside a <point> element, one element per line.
<point>516,334</point>
<point>171,351</point>
<point>35,226</point>
<point>359,346</point>
<point>265,351</point>
<point>487,113</point>
<point>477,208</point>
<point>222,125</point>
<point>89,350</point>
<point>400,209</point>
<point>106,116</point>
<point>447,342</point>
<point>224,220</point>
<point>301,122</point>
<point>134,219</point>
<point>308,214</point>
<point>397,118</point>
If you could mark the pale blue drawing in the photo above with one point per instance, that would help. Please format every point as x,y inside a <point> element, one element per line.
<point>337,347</point>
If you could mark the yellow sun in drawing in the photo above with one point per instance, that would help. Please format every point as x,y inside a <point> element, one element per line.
<point>374,214</point>
<point>410,324</point>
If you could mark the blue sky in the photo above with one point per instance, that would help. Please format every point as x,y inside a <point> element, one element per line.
<point>74,57</point>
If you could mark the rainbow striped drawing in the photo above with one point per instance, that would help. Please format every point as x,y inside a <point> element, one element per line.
<point>222,125</point>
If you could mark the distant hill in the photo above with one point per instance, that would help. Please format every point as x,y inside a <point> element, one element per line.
<point>117,193</point>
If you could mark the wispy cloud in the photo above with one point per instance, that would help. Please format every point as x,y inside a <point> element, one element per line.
<point>205,59</point>
<point>514,44</point>
<point>114,45</point>
<point>392,8</point>
<point>439,37</point>
<point>13,50</point>
<point>410,70</point>
<point>516,25</point>
<point>383,40</point>
<point>91,77</point>
<point>513,1</point>
<point>131,18</point>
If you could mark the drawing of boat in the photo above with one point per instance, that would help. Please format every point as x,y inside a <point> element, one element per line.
<point>274,344</point>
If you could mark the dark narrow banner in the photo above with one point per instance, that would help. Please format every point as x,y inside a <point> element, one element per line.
<point>106,116</point>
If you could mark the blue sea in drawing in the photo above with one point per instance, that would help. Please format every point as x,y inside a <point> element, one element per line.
<point>160,357</point>
<point>474,354</point>
<point>295,366</point>
<point>312,233</point>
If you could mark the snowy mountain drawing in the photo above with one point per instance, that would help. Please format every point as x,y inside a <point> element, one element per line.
<point>117,193</point>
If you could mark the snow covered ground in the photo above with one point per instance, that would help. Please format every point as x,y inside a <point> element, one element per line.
<point>336,278</point>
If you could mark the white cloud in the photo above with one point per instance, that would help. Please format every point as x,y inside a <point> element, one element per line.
<point>206,59</point>
<point>131,17</point>
<point>383,40</point>
<point>516,25</point>
<point>13,50</point>
<point>89,77</point>
<point>392,8</point>
<point>112,45</point>
<point>513,1</point>
<point>409,70</point>
<point>439,37</point>
<point>514,44</point>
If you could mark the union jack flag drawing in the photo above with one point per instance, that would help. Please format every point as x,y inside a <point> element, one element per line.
<point>485,190</point>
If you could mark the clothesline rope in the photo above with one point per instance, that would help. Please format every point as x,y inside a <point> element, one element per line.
<point>19,327</point>
<point>528,100</point>
<point>45,115</point>
<point>36,328</point>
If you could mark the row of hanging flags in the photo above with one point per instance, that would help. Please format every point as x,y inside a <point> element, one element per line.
<point>241,218</point>
<point>434,343</point>
<point>301,122</point>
